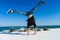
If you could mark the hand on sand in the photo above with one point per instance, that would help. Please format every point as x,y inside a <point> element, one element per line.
<point>34,34</point>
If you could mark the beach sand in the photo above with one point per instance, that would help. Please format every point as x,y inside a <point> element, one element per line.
<point>41,35</point>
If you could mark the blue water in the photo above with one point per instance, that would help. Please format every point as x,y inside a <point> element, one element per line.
<point>18,27</point>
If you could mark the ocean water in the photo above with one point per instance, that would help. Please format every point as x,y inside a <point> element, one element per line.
<point>19,27</point>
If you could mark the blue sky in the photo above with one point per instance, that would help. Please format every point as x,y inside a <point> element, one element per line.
<point>46,14</point>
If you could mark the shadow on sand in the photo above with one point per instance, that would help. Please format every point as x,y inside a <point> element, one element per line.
<point>16,33</point>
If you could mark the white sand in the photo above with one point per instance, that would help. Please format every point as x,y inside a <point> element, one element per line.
<point>41,35</point>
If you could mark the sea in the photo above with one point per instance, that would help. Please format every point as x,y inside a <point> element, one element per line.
<point>19,27</point>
